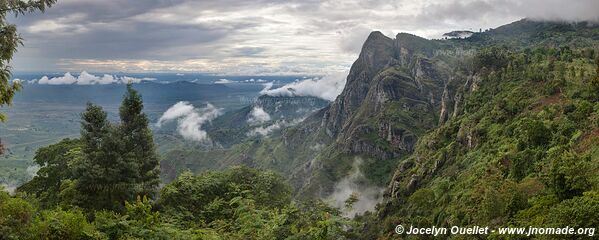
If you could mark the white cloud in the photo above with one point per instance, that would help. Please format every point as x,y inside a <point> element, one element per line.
<point>266,130</point>
<point>267,87</point>
<point>258,115</point>
<point>328,87</point>
<point>190,119</point>
<point>86,78</point>
<point>89,79</point>
<point>224,81</point>
<point>68,78</point>
<point>125,79</point>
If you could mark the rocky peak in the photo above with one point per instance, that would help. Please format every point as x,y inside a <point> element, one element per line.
<point>377,53</point>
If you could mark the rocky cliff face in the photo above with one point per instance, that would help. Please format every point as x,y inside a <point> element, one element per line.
<point>396,90</point>
<point>396,74</point>
<point>377,53</point>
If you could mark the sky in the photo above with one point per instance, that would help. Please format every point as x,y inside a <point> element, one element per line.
<point>242,37</point>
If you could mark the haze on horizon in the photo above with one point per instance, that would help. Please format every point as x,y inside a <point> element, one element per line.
<point>261,37</point>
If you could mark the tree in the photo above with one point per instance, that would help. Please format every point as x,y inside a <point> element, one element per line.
<point>569,176</point>
<point>55,161</point>
<point>138,143</point>
<point>9,41</point>
<point>595,81</point>
<point>104,177</point>
<point>15,215</point>
<point>206,196</point>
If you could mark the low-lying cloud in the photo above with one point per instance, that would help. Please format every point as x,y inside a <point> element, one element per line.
<point>190,119</point>
<point>258,115</point>
<point>327,88</point>
<point>267,130</point>
<point>367,196</point>
<point>86,78</point>
<point>11,185</point>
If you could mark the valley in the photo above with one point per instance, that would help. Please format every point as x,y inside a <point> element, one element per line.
<point>473,131</point>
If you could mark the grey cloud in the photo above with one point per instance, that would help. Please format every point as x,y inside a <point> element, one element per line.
<point>254,35</point>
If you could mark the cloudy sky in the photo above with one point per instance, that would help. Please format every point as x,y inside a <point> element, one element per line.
<point>259,37</point>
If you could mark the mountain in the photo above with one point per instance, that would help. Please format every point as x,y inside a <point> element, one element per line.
<point>521,146</point>
<point>153,92</point>
<point>254,120</point>
<point>394,93</point>
<point>403,100</point>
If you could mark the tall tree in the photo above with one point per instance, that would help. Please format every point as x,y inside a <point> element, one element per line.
<point>138,143</point>
<point>104,177</point>
<point>55,161</point>
<point>9,41</point>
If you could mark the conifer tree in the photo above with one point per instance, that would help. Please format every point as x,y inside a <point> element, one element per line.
<point>138,143</point>
<point>105,178</point>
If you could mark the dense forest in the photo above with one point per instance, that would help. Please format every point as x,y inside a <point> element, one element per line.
<point>504,134</point>
<point>523,152</point>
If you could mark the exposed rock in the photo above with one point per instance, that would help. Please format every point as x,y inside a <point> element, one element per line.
<point>376,54</point>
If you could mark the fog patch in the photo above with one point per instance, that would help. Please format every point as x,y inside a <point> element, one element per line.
<point>366,197</point>
<point>12,186</point>
<point>8,187</point>
<point>32,170</point>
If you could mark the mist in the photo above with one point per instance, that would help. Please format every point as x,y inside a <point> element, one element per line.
<point>367,196</point>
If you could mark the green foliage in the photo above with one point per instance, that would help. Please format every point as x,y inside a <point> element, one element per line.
<point>15,216</point>
<point>138,222</point>
<point>349,202</point>
<point>493,58</point>
<point>567,175</point>
<point>239,203</point>
<point>105,178</point>
<point>108,165</point>
<point>208,196</point>
<point>138,143</point>
<point>523,152</point>
<point>63,224</point>
<point>57,161</point>
<point>9,41</point>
